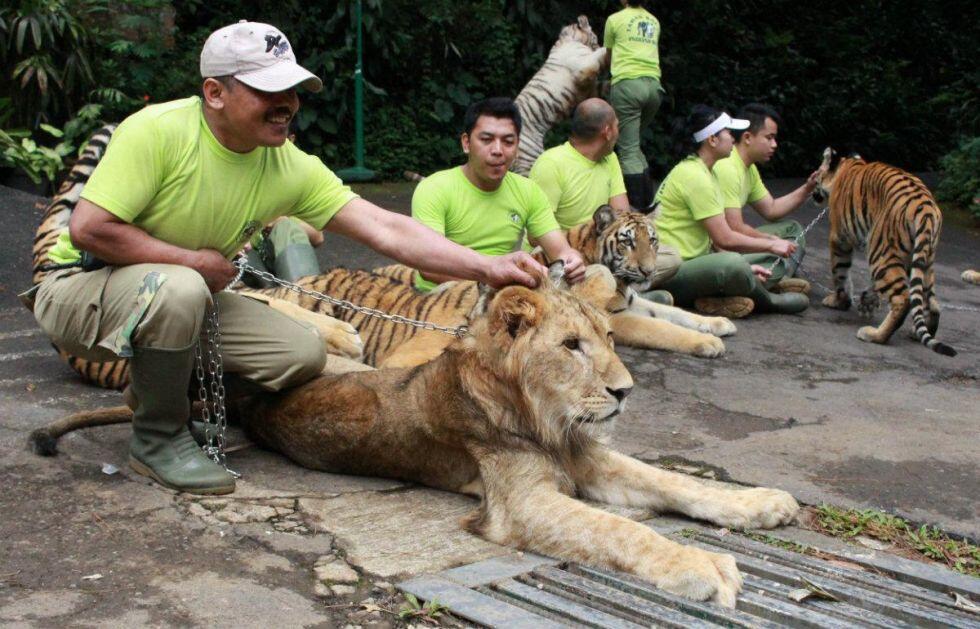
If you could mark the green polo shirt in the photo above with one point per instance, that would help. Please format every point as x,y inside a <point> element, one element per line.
<point>633,35</point>
<point>740,184</point>
<point>575,185</point>
<point>166,173</point>
<point>487,222</point>
<point>688,195</point>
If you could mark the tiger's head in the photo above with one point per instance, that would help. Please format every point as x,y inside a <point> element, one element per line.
<point>626,244</point>
<point>580,32</point>
<point>827,173</point>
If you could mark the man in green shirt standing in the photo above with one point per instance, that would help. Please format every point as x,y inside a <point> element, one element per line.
<point>484,206</point>
<point>583,174</point>
<point>180,189</point>
<point>632,37</point>
<point>738,178</point>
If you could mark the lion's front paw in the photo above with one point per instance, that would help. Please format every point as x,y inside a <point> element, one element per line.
<point>709,347</point>
<point>758,508</point>
<point>868,334</point>
<point>701,575</point>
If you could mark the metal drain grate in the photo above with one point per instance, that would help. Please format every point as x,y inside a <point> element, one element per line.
<point>879,591</point>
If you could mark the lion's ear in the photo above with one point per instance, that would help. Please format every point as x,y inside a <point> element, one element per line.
<point>515,309</point>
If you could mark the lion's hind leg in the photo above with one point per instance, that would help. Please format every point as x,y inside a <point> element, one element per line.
<point>635,330</point>
<point>524,507</point>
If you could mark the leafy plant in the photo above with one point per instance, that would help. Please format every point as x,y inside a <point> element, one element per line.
<point>428,612</point>
<point>37,161</point>
<point>961,176</point>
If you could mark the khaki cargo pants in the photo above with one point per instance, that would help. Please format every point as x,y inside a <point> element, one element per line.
<point>101,315</point>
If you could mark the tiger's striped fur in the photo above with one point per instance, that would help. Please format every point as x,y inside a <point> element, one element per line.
<point>568,76</point>
<point>892,214</point>
<point>625,243</point>
<point>389,344</point>
<point>110,375</point>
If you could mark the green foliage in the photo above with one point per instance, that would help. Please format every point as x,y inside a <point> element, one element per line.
<point>39,162</point>
<point>428,612</point>
<point>960,183</point>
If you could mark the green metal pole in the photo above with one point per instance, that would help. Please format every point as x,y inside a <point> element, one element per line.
<point>358,172</point>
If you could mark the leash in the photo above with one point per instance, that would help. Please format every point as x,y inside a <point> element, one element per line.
<point>211,388</point>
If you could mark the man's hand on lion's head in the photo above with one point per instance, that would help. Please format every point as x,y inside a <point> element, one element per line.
<point>513,268</point>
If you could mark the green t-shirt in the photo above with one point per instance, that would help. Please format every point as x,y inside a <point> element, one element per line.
<point>487,222</point>
<point>166,173</point>
<point>740,185</point>
<point>576,185</point>
<point>688,195</point>
<point>632,35</point>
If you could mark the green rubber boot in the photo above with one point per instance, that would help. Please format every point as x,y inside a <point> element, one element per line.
<point>162,447</point>
<point>780,303</point>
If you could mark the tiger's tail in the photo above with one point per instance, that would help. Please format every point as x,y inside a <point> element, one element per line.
<point>44,441</point>
<point>923,254</point>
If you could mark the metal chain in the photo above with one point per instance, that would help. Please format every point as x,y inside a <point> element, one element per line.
<point>213,399</point>
<point>796,239</point>
<point>458,332</point>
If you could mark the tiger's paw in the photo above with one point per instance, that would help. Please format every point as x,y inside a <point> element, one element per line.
<point>719,326</point>
<point>709,347</point>
<point>837,301</point>
<point>868,334</point>
<point>342,339</point>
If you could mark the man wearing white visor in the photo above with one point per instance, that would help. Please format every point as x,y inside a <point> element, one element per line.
<point>691,217</point>
<point>181,188</point>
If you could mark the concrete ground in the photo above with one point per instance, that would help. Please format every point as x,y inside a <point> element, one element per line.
<point>797,402</point>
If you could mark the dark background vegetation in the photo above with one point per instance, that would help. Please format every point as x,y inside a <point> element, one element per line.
<point>895,80</point>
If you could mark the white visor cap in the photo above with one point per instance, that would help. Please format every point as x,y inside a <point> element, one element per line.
<point>256,54</point>
<point>724,121</point>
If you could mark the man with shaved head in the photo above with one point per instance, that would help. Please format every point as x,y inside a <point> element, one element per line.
<point>584,173</point>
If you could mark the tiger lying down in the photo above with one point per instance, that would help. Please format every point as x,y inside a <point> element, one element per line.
<point>518,414</point>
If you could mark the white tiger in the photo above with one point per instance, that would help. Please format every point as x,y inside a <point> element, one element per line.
<point>569,76</point>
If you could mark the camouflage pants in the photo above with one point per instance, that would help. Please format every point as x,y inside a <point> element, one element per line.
<point>101,315</point>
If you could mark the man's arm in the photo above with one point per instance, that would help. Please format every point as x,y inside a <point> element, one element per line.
<point>733,216</point>
<point>556,247</point>
<point>775,209</point>
<point>725,238</point>
<point>620,202</point>
<point>418,246</point>
<point>109,238</point>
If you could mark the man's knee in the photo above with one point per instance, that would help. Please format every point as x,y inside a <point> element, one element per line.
<point>734,273</point>
<point>303,360</point>
<point>176,311</point>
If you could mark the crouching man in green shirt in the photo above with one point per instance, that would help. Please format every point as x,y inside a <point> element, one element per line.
<point>483,206</point>
<point>738,178</point>
<point>181,188</point>
<point>583,174</point>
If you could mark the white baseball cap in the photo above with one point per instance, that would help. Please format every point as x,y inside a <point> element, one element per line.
<point>256,54</point>
<point>723,121</point>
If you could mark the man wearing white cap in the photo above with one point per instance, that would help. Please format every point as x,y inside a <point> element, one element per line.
<point>181,188</point>
<point>691,217</point>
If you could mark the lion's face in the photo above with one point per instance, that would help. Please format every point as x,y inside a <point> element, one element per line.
<point>627,244</point>
<point>554,355</point>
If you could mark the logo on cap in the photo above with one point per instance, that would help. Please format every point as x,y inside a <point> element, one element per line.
<point>275,44</point>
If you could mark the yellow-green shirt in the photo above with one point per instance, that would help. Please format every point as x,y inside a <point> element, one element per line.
<point>740,185</point>
<point>166,173</point>
<point>575,185</point>
<point>487,222</point>
<point>633,35</point>
<point>688,195</point>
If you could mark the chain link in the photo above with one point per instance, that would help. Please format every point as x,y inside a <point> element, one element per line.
<point>796,239</point>
<point>213,399</point>
<point>458,332</point>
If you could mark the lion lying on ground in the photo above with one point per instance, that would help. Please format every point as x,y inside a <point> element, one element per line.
<point>517,413</point>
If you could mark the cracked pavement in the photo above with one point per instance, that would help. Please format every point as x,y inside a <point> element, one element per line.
<point>797,402</point>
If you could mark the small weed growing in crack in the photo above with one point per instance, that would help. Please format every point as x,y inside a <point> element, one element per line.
<point>428,612</point>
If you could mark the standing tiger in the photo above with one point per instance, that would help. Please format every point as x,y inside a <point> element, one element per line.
<point>626,244</point>
<point>568,76</point>
<point>893,215</point>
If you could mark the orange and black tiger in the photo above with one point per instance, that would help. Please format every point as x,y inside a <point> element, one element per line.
<point>388,343</point>
<point>893,215</point>
<point>114,374</point>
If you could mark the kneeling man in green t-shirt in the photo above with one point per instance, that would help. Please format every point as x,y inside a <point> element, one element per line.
<point>484,206</point>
